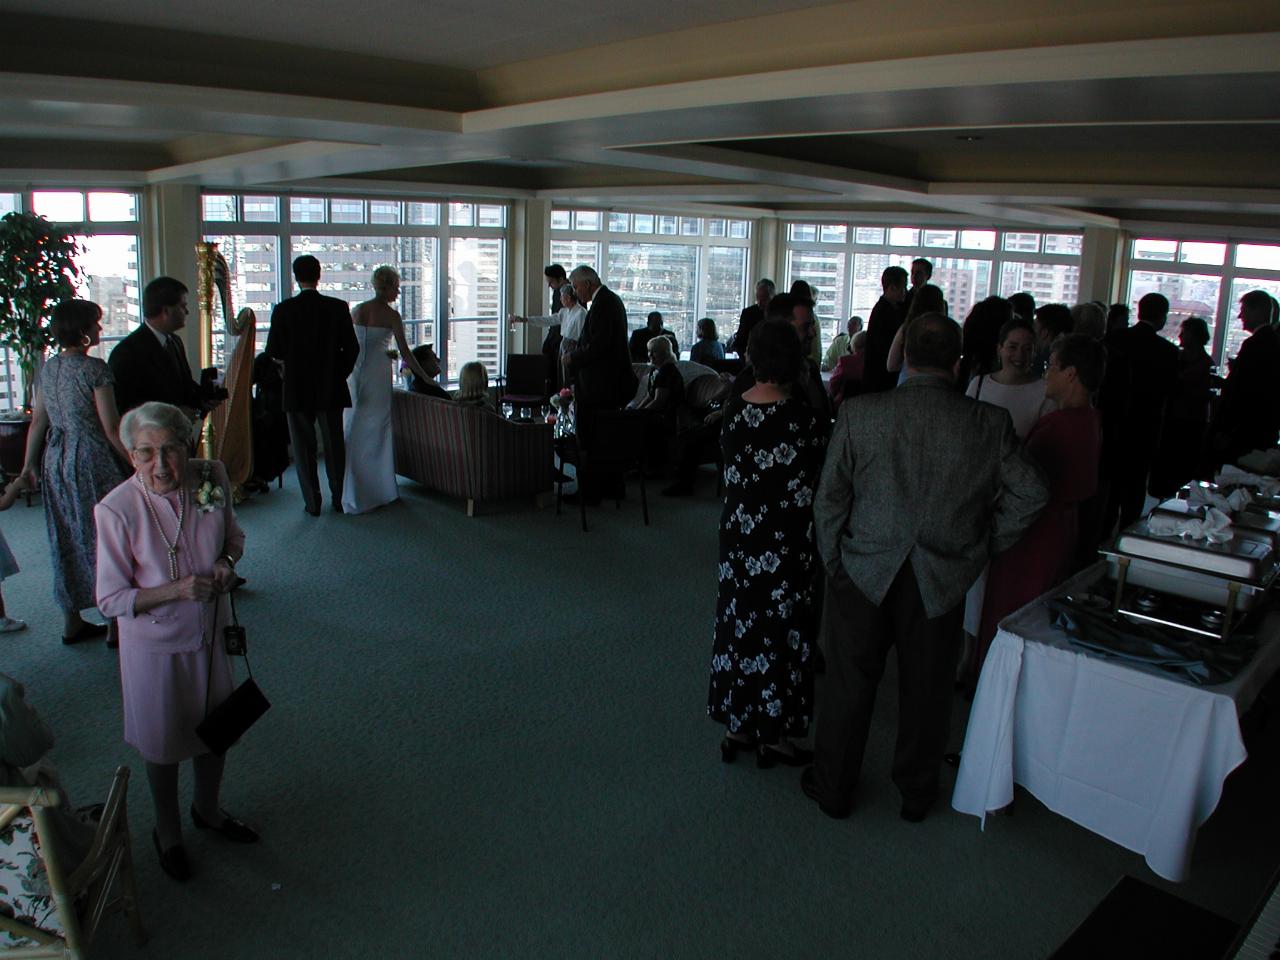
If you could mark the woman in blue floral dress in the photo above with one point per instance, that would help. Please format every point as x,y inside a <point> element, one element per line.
<point>766,613</point>
<point>75,426</point>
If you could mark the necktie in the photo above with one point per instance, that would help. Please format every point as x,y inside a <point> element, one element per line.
<point>175,353</point>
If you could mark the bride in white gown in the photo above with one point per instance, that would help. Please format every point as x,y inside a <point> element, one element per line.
<point>370,480</point>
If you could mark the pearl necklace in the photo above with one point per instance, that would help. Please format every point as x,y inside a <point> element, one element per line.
<point>177,534</point>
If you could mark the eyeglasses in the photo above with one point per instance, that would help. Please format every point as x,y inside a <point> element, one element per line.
<point>147,454</point>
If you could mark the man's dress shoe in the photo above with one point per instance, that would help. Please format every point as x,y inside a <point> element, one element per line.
<point>809,784</point>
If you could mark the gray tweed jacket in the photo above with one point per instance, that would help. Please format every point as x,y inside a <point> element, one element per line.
<point>923,473</point>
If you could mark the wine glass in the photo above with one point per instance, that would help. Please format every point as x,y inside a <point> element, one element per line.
<point>507,409</point>
<point>546,411</point>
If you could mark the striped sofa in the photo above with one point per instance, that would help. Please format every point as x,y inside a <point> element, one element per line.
<point>469,452</point>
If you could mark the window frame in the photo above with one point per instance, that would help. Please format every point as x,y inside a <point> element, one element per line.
<point>10,374</point>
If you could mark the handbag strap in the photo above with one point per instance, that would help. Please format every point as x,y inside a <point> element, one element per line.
<point>235,621</point>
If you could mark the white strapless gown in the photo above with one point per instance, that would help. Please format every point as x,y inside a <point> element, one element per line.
<point>370,480</point>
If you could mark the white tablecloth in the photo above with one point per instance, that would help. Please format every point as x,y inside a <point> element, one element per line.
<point>1125,751</point>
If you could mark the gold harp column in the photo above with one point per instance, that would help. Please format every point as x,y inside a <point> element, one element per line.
<point>206,268</point>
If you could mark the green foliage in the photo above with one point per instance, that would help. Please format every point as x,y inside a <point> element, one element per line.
<point>37,269</point>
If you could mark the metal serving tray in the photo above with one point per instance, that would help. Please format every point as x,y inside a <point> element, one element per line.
<point>1183,582</point>
<point>1245,558</point>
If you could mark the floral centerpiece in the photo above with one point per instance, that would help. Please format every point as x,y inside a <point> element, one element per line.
<point>563,419</point>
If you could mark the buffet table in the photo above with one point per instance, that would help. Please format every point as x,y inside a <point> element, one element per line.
<point>1121,749</point>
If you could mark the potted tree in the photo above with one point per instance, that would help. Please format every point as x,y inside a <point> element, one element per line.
<point>37,269</point>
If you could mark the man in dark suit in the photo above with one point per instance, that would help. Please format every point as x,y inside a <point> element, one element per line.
<point>600,366</point>
<point>921,486</point>
<point>1248,416</point>
<point>886,317</point>
<point>1142,375</point>
<point>751,316</point>
<point>150,363</point>
<point>312,336</point>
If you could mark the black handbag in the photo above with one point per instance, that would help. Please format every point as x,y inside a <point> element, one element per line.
<point>229,720</point>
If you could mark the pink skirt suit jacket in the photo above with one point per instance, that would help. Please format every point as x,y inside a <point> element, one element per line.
<point>165,659</point>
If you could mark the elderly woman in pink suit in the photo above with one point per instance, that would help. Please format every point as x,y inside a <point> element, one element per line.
<point>168,543</point>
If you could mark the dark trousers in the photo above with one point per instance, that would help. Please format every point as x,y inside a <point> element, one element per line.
<point>302,434</point>
<point>856,637</point>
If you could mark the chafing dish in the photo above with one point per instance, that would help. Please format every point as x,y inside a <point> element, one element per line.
<point>1234,575</point>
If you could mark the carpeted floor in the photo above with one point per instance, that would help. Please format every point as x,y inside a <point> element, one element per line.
<point>488,739</point>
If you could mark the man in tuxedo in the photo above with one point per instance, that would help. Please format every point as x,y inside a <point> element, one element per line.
<point>1248,416</point>
<point>886,317</point>
<point>921,273</point>
<point>1141,377</point>
<point>750,316</point>
<point>921,486</point>
<point>601,368</point>
<point>150,363</point>
<point>312,336</point>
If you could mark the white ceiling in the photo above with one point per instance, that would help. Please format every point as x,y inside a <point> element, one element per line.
<point>1072,133</point>
<point>440,33</point>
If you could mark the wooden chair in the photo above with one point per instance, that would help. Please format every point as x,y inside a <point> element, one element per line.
<point>103,881</point>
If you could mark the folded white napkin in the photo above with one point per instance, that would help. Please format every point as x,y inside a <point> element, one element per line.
<point>1238,499</point>
<point>1215,527</point>
<point>1234,476</point>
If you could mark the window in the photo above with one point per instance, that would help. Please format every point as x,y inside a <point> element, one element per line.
<point>824,271</point>
<point>451,294</point>
<point>657,276</point>
<point>701,270</point>
<point>475,303</point>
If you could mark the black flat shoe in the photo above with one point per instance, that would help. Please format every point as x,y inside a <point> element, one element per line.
<point>767,755</point>
<point>90,631</point>
<point>809,784</point>
<point>729,749</point>
<point>172,861</point>
<point>237,831</point>
<point>914,811</point>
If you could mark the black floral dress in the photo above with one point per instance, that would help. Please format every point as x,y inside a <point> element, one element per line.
<point>766,612</point>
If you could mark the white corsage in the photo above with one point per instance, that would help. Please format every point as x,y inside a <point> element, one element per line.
<point>209,495</point>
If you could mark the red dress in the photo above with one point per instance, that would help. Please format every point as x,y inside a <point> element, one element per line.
<point>1065,444</point>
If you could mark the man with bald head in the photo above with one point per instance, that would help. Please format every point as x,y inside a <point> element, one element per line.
<point>601,368</point>
<point>921,487</point>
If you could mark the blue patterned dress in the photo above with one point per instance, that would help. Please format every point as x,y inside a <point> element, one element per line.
<point>78,470</point>
<point>766,612</point>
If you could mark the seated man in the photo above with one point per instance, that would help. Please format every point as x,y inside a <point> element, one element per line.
<point>426,356</point>
<point>638,346</point>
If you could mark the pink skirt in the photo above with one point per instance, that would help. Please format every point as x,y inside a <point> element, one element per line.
<point>164,698</point>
